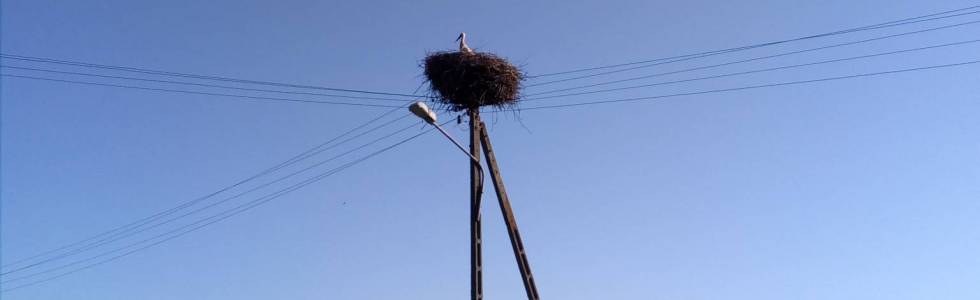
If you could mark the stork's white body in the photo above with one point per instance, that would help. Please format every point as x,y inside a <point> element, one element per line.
<point>463,48</point>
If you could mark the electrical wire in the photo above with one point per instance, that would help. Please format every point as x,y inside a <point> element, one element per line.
<point>747,87</point>
<point>759,58</point>
<point>742,48</point>
<point>758,70</point>
<point>303,155</point>
<point>676,60</point>
<point>191,212</point>
<point>200,84</point>
<point>195,92</point>
<point>240,209</point>
<point>333,171</point>
<point>113,238</point>
<point>195,76</point>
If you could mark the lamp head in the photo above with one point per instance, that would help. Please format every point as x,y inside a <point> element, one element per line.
<point>422,111</point>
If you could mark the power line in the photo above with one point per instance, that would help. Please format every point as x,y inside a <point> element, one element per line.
<point>187,75</point>
<point>333,171</point>
<point>196,92</point>
<point>759,58</point>
<point>924,18</point>
<point>113,239</point>
<point>241,209</point>
<point>117,237</point>
<point>201,84</point>
<point>303,155</point>
<point>758,70</point>
<point>690,58</point>
<point>750,87</point>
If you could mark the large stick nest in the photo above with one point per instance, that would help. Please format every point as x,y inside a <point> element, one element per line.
<point>463,81</point>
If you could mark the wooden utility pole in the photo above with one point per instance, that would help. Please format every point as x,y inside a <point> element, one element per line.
<point>476,192</point>
<point>515,236</point>
<point>479,137</point>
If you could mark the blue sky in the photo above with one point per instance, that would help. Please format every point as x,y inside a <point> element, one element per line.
<point>858,189</point>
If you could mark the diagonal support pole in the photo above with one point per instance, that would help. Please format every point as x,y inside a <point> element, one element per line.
<point>509,219</point>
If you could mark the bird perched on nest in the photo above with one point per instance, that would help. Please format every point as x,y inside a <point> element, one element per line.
<point>463,48</point>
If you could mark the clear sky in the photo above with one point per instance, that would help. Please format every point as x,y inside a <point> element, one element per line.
<point>858,189</point>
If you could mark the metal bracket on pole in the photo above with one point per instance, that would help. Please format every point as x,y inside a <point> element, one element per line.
<point>509,219</point>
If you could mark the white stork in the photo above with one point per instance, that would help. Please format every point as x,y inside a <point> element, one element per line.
<point>463,48</point>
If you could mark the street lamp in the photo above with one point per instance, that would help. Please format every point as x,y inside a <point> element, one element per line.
<point>476,194</point>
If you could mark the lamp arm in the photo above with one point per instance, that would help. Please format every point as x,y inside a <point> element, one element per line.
<point>458,145</point>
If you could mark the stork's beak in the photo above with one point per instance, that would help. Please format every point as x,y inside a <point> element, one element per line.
<point>460,36</point>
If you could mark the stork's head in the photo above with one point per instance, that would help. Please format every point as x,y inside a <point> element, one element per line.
<point>462,36</point>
